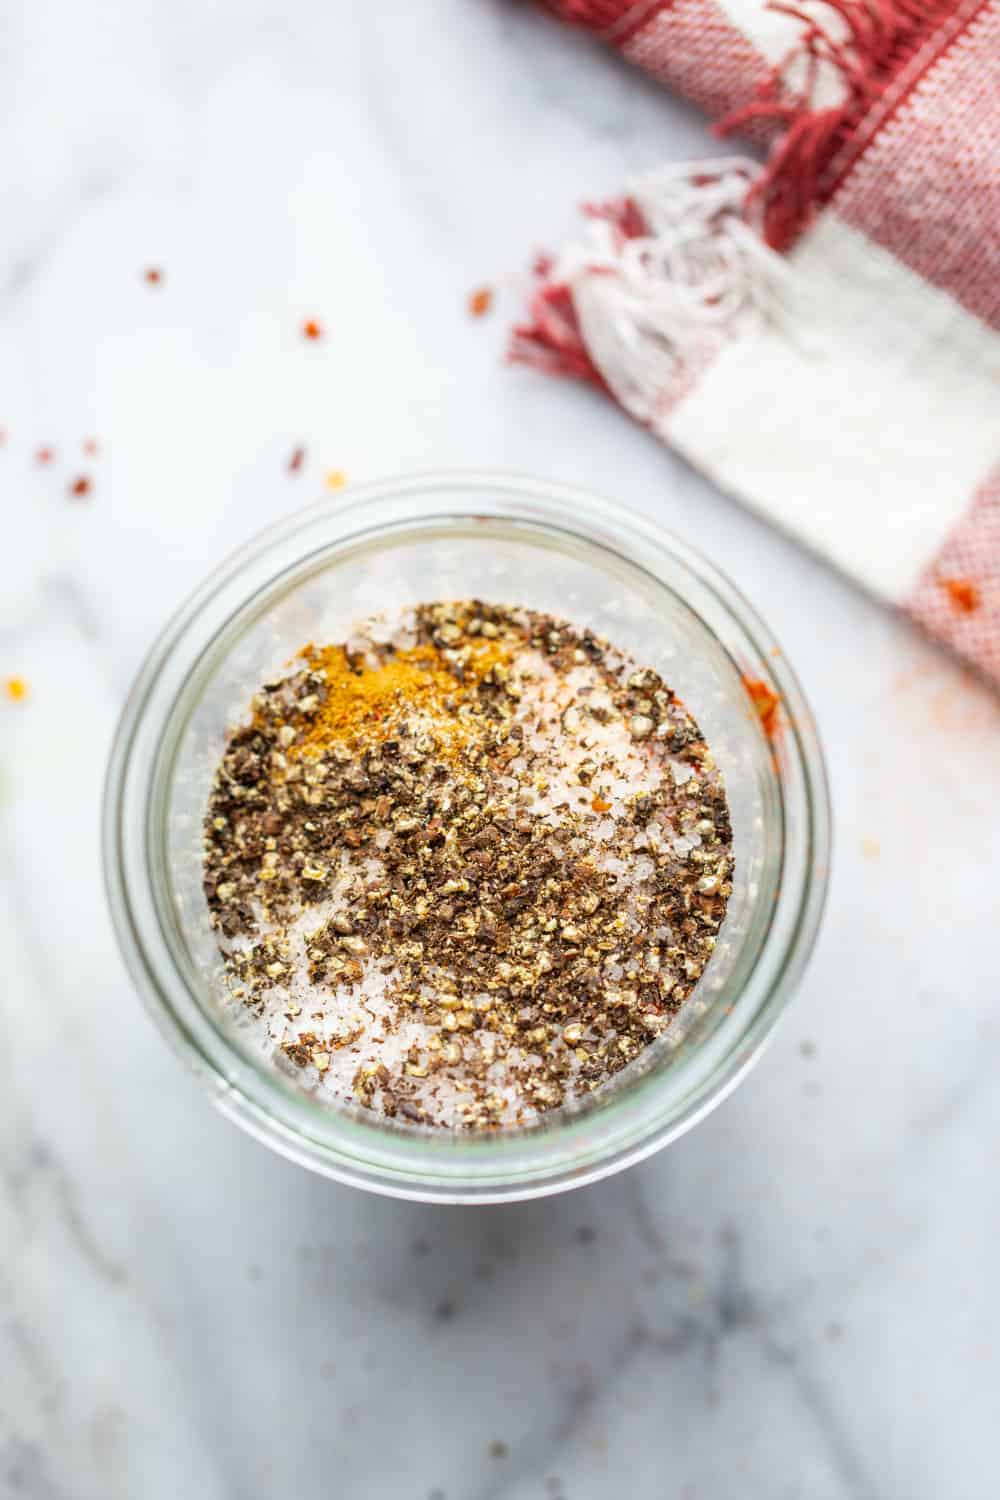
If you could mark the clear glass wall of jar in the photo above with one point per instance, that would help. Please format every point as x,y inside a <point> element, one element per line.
<point>511,540</point>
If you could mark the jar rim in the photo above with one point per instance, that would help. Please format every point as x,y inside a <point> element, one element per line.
<point>561,1154</point>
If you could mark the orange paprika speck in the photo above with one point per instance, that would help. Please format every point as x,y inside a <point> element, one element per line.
<point>963,594</point>
<point>311,329</point>
<point>600,806</point>
<point>765,701</point>
<point>80,487</point>
<point>480,302</point>
<point>153,276</point>
<point>16,689</point>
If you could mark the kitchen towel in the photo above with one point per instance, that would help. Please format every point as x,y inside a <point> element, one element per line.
<point>819,333</point>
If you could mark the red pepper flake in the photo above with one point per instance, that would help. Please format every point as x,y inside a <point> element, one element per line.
<point>543,265</point>
<point>80,487</point>
<point>153,276</point>
<point>765,702</point>
<point>90,447</point>
<point>600,806</point>
<point>297,459</point>
<point>963,594</point>
<point>16,689</point>
<point>44,455</point>
<point>312,329</point>
<point>480,302</point>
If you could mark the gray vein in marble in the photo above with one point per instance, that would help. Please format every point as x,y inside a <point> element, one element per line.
<point>963,1093</point>
<point>646,1227</point>
<point>733,1309</point>
<point>26,266</point>
<point>35,1165</point>
<point>69,594</point>
<point>24,1470</point>
<point>844,1453</point>
<point>736,1309</point>
<point>585,1394</point>
<point>56,594</point>
<point>31,1357</point>
<point>695,1336</point>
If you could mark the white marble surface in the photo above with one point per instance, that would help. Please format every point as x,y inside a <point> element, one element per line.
<point>795,1300</point>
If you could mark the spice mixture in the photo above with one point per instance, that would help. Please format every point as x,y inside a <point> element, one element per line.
<point>466,866</point>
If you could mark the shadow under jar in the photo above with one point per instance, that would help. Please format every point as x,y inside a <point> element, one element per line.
<point>508,541</point>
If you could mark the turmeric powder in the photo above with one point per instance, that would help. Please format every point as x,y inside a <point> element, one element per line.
<point>362,699</point>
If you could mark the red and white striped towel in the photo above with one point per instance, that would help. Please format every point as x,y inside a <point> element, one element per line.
<point>821,335</point>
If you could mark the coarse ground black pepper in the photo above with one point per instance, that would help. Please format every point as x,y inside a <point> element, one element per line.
<point>466,867</point>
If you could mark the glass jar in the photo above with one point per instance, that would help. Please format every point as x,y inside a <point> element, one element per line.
<point>510,540</point>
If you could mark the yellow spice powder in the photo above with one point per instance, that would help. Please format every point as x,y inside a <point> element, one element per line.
<point>368,702</point>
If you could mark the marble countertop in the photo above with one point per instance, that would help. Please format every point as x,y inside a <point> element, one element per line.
<point>797,1299</point>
